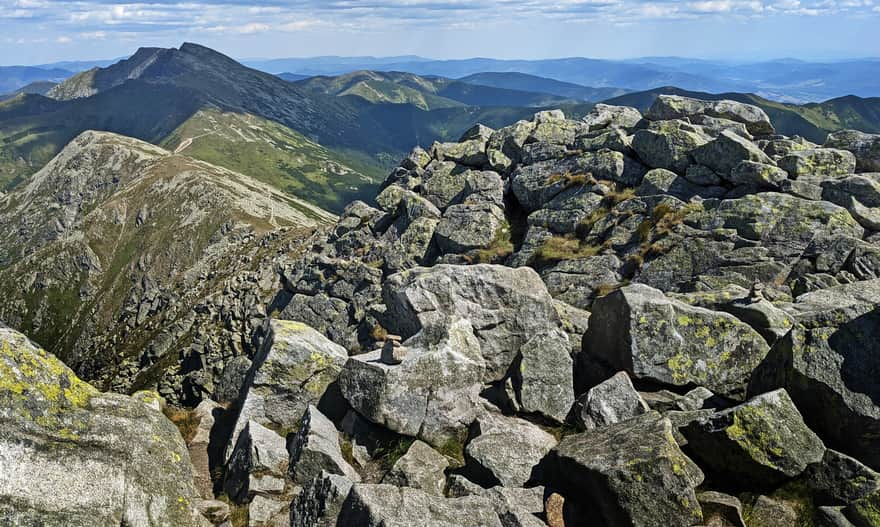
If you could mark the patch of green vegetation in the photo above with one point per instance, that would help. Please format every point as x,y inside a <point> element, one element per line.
<point>564,247</point>
<point>500,248</point>
<point>389,454</point>
<point>277,155</point>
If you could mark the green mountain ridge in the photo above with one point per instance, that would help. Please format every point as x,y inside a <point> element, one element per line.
<point>812,121</point>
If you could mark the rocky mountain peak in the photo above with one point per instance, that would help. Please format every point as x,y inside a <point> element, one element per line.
<point>622,320</point>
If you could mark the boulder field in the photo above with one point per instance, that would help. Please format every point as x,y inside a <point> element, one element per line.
<point>669,319</point>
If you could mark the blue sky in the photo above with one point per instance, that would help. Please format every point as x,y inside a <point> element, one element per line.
<point>40,31</point>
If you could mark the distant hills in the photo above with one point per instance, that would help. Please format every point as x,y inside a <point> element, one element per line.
<point>812,121</point>
<point>362,126</point>
<point>783,80</point>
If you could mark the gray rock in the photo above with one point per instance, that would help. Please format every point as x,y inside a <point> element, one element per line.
<point>442,183</point>
<point>773,511</point>
<point>640,330</point>
<point>860,195</point>
<point>841,479</point>
<point>433,394</point>
<point>827,363</point>
<point>676,107</point>
<point>660,181</point>
<point>720,510</point>
<point>390,506</point>
<point>610,402</point>
<point>504,148</point>
<point>513,320</point>
<point>534,185</point>
<point>74,457</point>
<point>629,473</point>
<point>471,152</point>
<point>826,162</point>
<point>199,447</point>
<point>293,370</point>
<point>315,449</point>
<point>259,454</point>
<point>506,450</point>
<point>764,439</point>
<point>467,227</point>
<point>700,175</point>
<point>319,502</point>
<point>421,467</point>
<point>866,148</point>
<point>263,511</point>
<point>757,174</point>
<point>604,116</point>
<point>728,150</point>
<point>669,147</point>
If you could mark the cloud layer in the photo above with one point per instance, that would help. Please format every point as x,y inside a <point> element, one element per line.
<point>67,22</point>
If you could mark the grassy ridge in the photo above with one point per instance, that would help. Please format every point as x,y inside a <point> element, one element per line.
<point>277,155</point>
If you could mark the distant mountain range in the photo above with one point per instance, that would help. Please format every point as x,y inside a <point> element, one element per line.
<point>784,80</point>
<point>342,130</point>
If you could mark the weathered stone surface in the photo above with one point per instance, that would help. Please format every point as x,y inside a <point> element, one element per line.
<point>259,454</point>
<point>421,467</point>
<point>390,506</point>
<point>263,511</point>
<point>315,449</point>
<point>660,181</point>
<point>728,150</point>
<point>199,447</point>
<point>506,450</point>
<point>827,162</point>
<point>433,394</point>
<point>71,456</point>
<point>866,148</point>
<point>767,512</point>
<point>669,148</point>
<point>764,439</point>
<point>610,402</point>
<point>629,473</point>
<point>512,317</point>
<point>757,174</point>
<point>319,502</point>
<point>471,152</point>
<point>841,479</point>
<point>677,107</point>
<point>534,185</point>
<point>467,227</point>
<point>640,330</point>
<point>293,369</point>
<point>828,364</point>
<point>721,510</point>
<point>604,116</point>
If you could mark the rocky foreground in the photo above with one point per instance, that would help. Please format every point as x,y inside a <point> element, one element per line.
<point>669,319</point>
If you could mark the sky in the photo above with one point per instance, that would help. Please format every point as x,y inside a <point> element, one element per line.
<point>44,31</point>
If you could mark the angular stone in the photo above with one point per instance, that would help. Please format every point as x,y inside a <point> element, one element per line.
<point>866,148</point>
<point>390,506</point>
<point>604,116</point>
<point>319,502</point>
<point>534,185</point>
<point>728,150</point>
<point>825,162</point>
<point>421,467</point>
<point>506,450</point>
<point>315,449</point>
<point>764,439</point>
<point>74,457</point>
<point>828,364</point>
<point>639,330</point>
<point>610,402</point>
<point>669,149</point>
<point>629,473</point>
<point>199,447</point>
<point>293,370</point>
<point>467,227</point>
<point>757,174</point>
<point>433,394</point>
<point>839,478</point>
<point>259,453</point>
<point>677,107</point>
<point>721,510</point>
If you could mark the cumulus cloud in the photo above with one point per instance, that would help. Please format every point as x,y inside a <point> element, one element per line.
<point>87,19</point>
